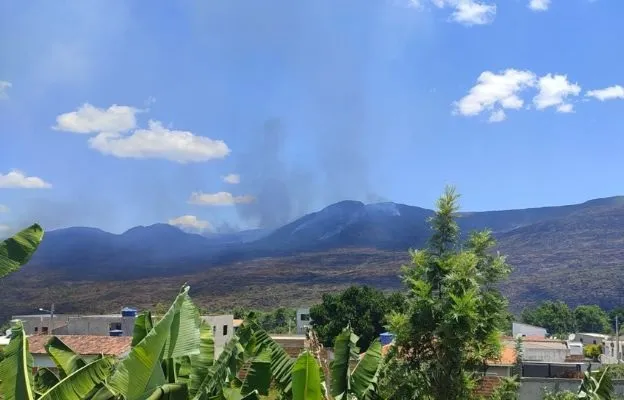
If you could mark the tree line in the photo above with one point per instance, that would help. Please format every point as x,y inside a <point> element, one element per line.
<point>560,320</point>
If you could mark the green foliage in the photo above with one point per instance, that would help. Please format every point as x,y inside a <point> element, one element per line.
<point>591,319</point>
<point>507,389</point>
<point>555,316</point>
<point>16,382</point>
<point>559,395</point>
<point>592,351</point>
<point>306,378</point>
<point>18,249</point>
<point>451,326</point>
<point>362,307</point>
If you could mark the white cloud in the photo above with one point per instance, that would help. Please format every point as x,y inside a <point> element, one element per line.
<point>539,5</point>
<point>219,199</point>
<point>4,86</point>
<point>610,93</point>
<point>159,142</point>
<point>469,12</point>
<point>117,134</point>
<point>4,228</point>
<point>17,179</point>
<point>90,119</point>
<point>191,223</point>
<point>494,92</point>
<point>497,116</point>
<point>553,91</point>
<point>233,179</point>
<point>3,208</point>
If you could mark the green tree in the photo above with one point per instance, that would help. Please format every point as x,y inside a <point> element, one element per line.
<point>362,307</point>
<point>555,316</point>
<point>591,318</point>
<point>451,326</point>
<point>619,313</point>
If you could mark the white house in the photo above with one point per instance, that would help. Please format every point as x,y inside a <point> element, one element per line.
<point>520,329</point>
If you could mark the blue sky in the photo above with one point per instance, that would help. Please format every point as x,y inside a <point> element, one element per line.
<point>117,113</point>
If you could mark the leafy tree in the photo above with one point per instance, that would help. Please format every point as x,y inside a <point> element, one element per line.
<point>555,316</point>
<point>619,312</point>
<point>362,307</point>
<point>451,326</point>
<point>591,318</point>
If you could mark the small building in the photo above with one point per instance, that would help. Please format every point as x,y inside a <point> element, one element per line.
<point>90,325</point>
<point>87,346</point>
<point>304,322</point>
<point>519,329</point>
<point>549,358</point>
<point>504,365</point>
<point>222,330</point>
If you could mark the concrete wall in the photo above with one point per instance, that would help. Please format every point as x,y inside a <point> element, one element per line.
<point>97,325</point>
<point>518,328</point>
<point>532,388</point>
<point>38,322</point>
<point>545,355</point>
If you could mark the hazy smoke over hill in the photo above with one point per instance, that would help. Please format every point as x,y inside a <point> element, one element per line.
<point>323,90</point>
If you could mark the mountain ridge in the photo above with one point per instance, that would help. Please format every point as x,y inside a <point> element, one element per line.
<point>567,252</point>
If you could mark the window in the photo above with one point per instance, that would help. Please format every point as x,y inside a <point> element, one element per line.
<point>36,329</point>
<point>115,326</point>
<point>214,330</point>
<point>305,317</point>
<point>44,330</point>
<point>594,342</point>
<point>225,330</point>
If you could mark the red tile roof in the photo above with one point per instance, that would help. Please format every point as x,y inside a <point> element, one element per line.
<point>84,344</point>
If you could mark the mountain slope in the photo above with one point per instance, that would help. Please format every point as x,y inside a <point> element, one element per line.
<point>574,253</point>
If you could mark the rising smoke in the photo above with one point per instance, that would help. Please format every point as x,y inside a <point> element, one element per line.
<point>324,86</point>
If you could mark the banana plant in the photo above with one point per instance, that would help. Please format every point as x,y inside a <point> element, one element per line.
<point>18,249</point>
<point>361,382</point>
<point>593,388</point>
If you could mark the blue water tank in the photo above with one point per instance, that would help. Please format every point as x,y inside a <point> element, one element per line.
<point>115,332</point>
<point>386,338</point>
<point>128,312</point>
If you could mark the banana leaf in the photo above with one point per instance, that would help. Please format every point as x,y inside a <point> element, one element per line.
<point>175,335</point>
<point>142,325</point>
<point>306,378</point>
<point>44,379</point>
<point>17,250</point>
<point>233,394</point>
<point>15,369</point>
<point>202,362</point>
<point>281,363</point>
<point>259,374</point>
<point>223,370</point>
<point>170,391</point>
<point>366,372</point>
<point>65,359</point>
<point>344,348</point>
<point>82,383</point>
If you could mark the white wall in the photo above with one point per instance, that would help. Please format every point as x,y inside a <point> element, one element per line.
<point>302,323</point>
<point>218,322</point>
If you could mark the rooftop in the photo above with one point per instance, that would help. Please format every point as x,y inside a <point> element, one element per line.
<point>84,344</point>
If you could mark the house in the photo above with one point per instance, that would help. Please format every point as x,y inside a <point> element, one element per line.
<point>504,365</point>
<point>303,320</point>
<point>550,358</point>
<point>520,329</point>
<point>589,338</point>
<point>87,346</point>
<point>609,350</point>
<point>121,324</point>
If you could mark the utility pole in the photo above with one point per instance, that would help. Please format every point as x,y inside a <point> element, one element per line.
<point>617,339</point>
<point>52,319</point>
